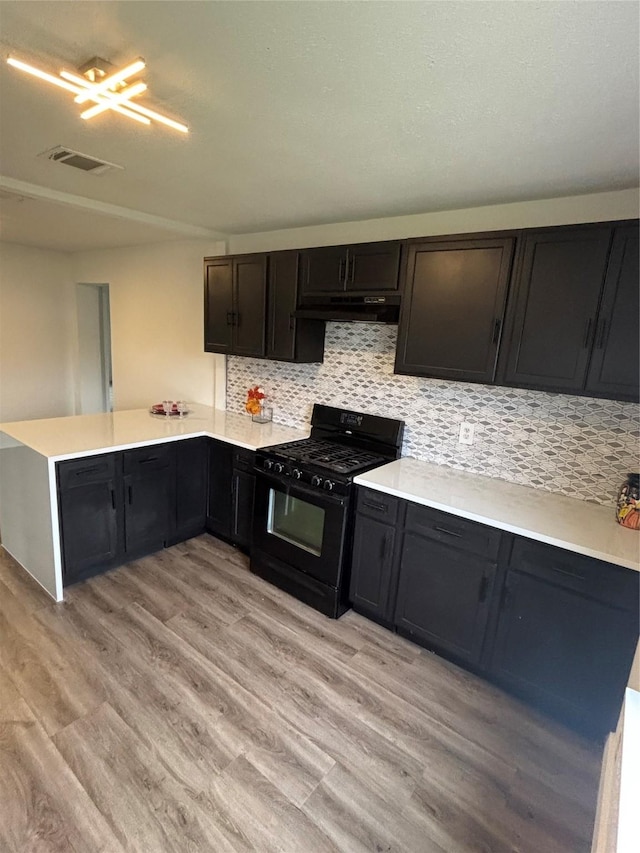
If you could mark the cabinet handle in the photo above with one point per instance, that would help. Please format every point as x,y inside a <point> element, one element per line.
<point>149,459</point>
<point>484,586</point>
<point>602,334</point>
<point>130,494</point>
<point>229,318</point>
<point>342,268</point>
<point>373,505</point>
<point>352,269</point>
<point>568,573</point>
<point>386,540</point>
<point>236,318</point>
<point>587,334</point>
<point>113,499</point>
<point>448,532</point>
<point>496,330</point>
<point>505,598</point>
<point>291,322</point>
<point>91,470</point>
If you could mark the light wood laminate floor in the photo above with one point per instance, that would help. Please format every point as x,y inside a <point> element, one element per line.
<point>181,704</point>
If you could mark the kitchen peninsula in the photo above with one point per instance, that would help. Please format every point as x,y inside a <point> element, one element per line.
<point>30,450</point>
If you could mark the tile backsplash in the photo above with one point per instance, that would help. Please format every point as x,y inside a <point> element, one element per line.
<point>576,446</point>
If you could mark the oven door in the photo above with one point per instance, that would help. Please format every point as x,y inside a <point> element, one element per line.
<point>301,527</point>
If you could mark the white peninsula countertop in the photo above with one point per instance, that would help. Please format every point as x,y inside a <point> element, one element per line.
<point>86,435</point>
<point>576,525</point>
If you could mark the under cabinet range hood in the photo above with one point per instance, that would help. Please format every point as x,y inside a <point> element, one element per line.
<point>352,309</point>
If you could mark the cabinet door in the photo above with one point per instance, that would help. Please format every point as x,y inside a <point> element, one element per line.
<point>616,355</point>
<point>250,305</point>
<point>372,567</point>
<point>569,653</point>
<point>283,292</point>
<point>288,338</point>
<point>218,305</point>
<point>220,505</point>
<point>242,491</point>
<point>89,516</point>
<point>557,289</point>
<point>453,309</point>
<point>443,596</point>
<point>373,266</point>
<point>147,511</point>
<point>191,488</point>
<point>323,270</point>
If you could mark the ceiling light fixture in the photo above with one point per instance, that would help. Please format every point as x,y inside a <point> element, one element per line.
<point>109,90</point>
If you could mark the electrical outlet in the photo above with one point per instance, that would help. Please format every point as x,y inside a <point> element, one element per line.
<point>467,429</point>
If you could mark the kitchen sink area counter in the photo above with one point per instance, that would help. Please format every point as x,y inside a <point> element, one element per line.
<point>575,525</point>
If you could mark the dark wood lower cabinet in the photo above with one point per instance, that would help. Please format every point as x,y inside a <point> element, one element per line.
<point>220,505</point>
<point>243,486</point>
<point>443,597</point>
<point>566,634</point>
<point>148,490</point>
<point>374,560</point>
<point>556,628</point>
<point>231,489</point>
<point>90,508</point>
<point>192,482</point>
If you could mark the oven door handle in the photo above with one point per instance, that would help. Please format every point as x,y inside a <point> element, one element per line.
<point>293,488</point>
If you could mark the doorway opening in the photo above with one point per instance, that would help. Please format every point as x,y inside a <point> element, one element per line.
<point>95,377</point>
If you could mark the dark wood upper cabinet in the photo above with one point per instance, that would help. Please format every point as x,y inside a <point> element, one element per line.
<point>363,267</point>
<point>553,311</point>
<point>373,266</point>
<point>250,305</point>
<point>453,308</point>
<point>289,338</point>
<point>218,304</point>
<point>615,360</point>
<point>235,304</point>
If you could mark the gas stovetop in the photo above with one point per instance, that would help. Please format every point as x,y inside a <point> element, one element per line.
<point>329,455</point>
<point>342,444</point>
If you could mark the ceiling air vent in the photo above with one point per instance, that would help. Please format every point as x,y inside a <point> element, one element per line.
<point>78,160</point>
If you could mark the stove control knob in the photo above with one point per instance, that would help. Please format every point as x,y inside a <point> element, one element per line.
<point>296,473</point>
<point>268,464</point>
<point>328,486</point>
<point>316,481</point>
<point>278,467</point>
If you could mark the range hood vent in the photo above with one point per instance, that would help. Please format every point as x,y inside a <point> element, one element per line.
<point>84,162</point>
<point>352,309</point>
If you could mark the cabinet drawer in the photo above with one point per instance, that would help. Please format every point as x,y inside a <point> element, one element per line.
<point>608,583</point>
<point>378,505</point>
<point>243,460</point>
<point>151,458</point>
<point>450,530</point>
<point>92,469</point>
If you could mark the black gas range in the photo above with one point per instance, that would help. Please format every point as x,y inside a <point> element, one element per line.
<point>303,510</point>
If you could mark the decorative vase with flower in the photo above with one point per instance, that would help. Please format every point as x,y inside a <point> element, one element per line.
<point>257,407</point>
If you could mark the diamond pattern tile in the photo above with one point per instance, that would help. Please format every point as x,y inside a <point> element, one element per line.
<point>574,446</point>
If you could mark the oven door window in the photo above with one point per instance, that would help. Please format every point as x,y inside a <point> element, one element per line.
<point>296,521</point>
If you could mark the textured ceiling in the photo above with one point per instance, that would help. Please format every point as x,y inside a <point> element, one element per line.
<point>312,112</point>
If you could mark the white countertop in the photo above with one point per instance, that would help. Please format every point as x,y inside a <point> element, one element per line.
<point>576,525</point>
<point>86,435</point>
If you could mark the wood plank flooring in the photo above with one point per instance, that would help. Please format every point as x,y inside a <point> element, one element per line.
<point>181,704</point>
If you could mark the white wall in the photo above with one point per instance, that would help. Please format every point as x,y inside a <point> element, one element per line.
<point>37,333</point>
<point>596,207</point>
<point>156,320</point>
